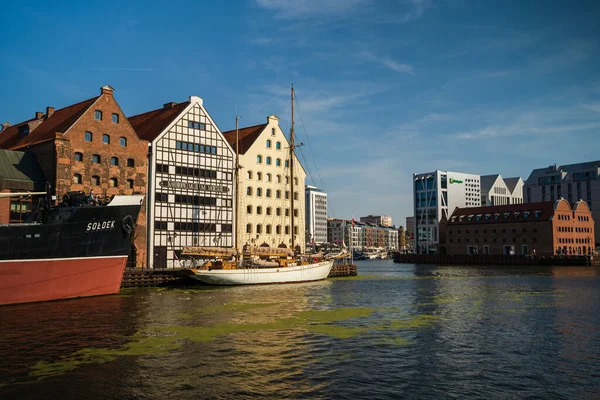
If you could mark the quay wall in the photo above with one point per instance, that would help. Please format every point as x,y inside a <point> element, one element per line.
<point>466,259</point>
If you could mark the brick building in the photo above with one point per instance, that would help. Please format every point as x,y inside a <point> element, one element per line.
<point>546,227</point>
<point>86,146</point>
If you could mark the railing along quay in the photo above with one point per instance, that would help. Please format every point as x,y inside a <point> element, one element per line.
<point>480,259</point>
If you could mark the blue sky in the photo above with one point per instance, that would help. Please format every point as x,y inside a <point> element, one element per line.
<point>385,87</point>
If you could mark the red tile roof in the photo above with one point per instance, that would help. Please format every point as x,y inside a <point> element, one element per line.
<point>507,213</point>
<point>152,123</point>
<point>247,136</point>
<point>60,121</point>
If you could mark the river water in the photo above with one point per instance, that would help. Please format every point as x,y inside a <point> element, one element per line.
<point>395,331</point>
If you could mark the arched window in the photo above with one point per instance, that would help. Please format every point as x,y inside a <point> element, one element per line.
<point>123,142</point>
<point>268,161</point>
<point>106,139</point>
<point>278,178</point>
<point>77,178</point>
<point>258,210</point>
<point>287,212</point>
<point>295,195</point>
<point>259,228</point>
<point>287,229</point>
<point>259,176</point>
<point>130,183</point>
<point>295,230</point>
<point>278,211</point>
<point>268,193</point>
<point>278,145</point>
<point>98,115</point>
<point>259,191</point>
<point>273,131</point>
<point>287,180</point>
<point>87,136</point>
<point>269,177</point>
<point>96,158</point>
<point>278,229</point>
<point>78,156</point>
<point>278,194</point>
<point>268,231</point>
<point>114,182</point>
<point>114,161</point>
<point>295,181</point>
<point>95,180</point>
<point>249,190</point>
<point>249,209</point>
<point>287,163</point>
<point>295,212</point>
<point>287,194</point>
<point>278,162</point>
<point>249,174</point>
<point>268,210</point>
<point>248,228</point>
<point>259,159</point>
<point>268,143</point>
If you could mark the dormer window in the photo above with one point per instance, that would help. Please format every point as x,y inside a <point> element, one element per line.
<point>24,130</point>
<point>487,216</point>
<point>526,214</point>
<point>470,217</point>
<point>478,217</point>
<point>506,215</point>
<point>537,213</point>
<point>516,214</point>
<point>496,216</point>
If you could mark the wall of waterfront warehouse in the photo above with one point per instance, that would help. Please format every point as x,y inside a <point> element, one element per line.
<point>192,187</point>
<point>264,210</point>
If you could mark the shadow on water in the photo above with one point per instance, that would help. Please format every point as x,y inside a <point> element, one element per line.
<point>423,331</point>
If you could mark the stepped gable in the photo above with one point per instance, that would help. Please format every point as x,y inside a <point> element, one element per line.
<point>524,212</point>
<point>152,123</point>
<point>45,127</point>
<point>247,136</point>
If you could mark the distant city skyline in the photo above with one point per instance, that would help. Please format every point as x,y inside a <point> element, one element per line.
<point>385,88</point>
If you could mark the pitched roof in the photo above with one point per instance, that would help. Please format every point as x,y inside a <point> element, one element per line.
<point>20,170</point>
<point>60,121</point>
<point>524,212</point>
<point>152,123</point>
<point>247,136</point>
<point>511,183</point>
<point>487,181</point>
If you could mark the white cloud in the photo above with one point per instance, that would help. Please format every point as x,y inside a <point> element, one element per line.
<point>301,9</point>
<point>388,62</point>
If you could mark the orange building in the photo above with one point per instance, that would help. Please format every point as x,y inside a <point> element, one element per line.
<point>545,228</point>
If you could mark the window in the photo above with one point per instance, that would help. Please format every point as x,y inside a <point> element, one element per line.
<point>164,168</point>
<point>259,176</point>
<point>259,192</point>
<point>295,181</point>
<point>287,194</point>
<point>287,229</point>
<point>115,118</point>
<point>130,183</point>
<point>95,180</point>
<point>278,145</point>
<point>249,174</point>
<point>268,161</point>
<point>259,228</point>
<point>259,210</point>
<point>278,229</point>
<point>268,143</point>
<point>160,225</point>
<point>113,182</point>
<point>268,193</point>
<point>196,125</point>
<point>249,190</point>
<point>78,156</point>
<point>96,159</point>
<point>287,212</point>
<point>130,162</point>
<point>278,178</point>
<point>24,130</point>
<point>278,162</point>
<point>162,197</point>
<point>272,131</point>
<point>268,212</point>
<point>98,115</point>
<point>287,163</point>
<point>259,159</point>
<point>249,209</point>
<point>106,139</point>
<point>295,195</point>
<point>269,177</point>
<point>77,178</point>
<point>248,228</point>
<point>295,212</point>
<point>278,212</point>
<point>114,161</point>
<point>87,136</point>
<point>268,231</point>
<point>123,142</point>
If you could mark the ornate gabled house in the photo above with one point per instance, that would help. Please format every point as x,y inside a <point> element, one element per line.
<point>190,181</point>
<point>264,211</point>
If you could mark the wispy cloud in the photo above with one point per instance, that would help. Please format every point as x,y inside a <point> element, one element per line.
<point>388,62</point>
<point>121,69</point>
<point>301,9</point>
<point>593,106</point>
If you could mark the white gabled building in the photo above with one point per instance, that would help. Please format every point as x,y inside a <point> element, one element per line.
<point>264,212</point>
<point>190,194</point>
<point>496,191</point>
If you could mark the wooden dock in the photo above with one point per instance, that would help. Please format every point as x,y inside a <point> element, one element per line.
<point>138,277</point>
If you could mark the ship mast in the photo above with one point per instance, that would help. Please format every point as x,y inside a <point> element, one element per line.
<point>237,184</point>
<point>292,146</point>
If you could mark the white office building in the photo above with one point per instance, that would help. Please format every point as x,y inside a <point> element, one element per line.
<point>436,195</point>
<point>316,216</point>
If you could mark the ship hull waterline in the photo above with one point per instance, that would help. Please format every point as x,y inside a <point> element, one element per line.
<point>27,281</point>
<point>263,276</point>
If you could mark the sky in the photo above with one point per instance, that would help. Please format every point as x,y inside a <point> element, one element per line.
<point>385,88</point>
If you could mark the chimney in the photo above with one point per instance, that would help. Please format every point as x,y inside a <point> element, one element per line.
<point>169,105</point>
<point>5,125</point>
<point>108,90</point>
<point>49,111</point>
<point>38,114</point>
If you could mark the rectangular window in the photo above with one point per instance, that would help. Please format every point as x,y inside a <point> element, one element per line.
<point>98,115</point>
<point>196,125</point>
<point>160,225</point>
<point>161,197</point>
<point>163,168</point>
<point>543,193</point>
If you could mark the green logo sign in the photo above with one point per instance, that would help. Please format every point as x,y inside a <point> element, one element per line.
<point>455,181</point>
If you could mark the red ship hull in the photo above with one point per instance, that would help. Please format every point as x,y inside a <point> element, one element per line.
<point>25,281</point>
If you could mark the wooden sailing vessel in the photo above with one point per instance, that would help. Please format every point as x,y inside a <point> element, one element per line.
<point>257,265</point>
